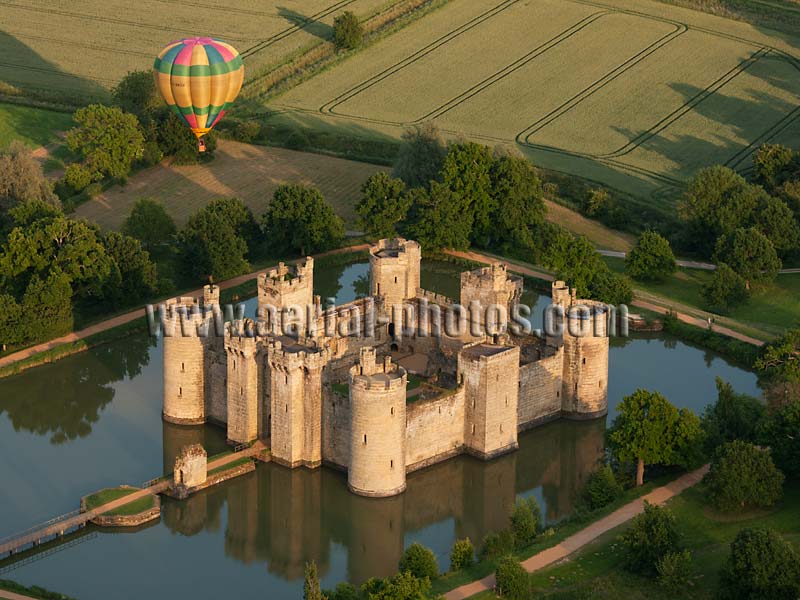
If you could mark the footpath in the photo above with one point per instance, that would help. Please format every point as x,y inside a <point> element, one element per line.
<point>587,535</point>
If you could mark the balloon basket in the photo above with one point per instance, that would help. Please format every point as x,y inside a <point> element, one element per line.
<point>201,146</point>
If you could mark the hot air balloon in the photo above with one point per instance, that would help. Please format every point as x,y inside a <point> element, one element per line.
<point>199,78</point>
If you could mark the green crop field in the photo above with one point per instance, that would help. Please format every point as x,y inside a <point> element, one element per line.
<point>33,126</point>
<point>78,51</point>
<point>634,94</point>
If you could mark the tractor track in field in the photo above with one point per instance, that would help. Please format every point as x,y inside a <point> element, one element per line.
<point>523,138</point>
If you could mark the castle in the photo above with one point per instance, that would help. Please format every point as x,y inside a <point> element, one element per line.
<point>387,384</point>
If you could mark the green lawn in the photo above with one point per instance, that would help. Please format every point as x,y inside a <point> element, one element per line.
<point>231,465</point>
<point>773,308</point>
<point>597,571</point>
<point>134,508</point>
<point>107,495</point>
<point>34,126</point>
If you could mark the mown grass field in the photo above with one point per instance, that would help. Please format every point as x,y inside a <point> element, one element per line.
<point>637,95</point>
<point>250,173</point>
<point>78,51</point>
<point>33,126</point>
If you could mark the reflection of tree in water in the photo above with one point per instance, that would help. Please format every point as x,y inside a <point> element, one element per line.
<point>64,399</point>
<point>361,286</point>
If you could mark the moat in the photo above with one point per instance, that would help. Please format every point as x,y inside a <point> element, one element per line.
<point>94,420</point>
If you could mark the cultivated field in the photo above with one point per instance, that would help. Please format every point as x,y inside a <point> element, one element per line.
<point>79,50</point>
<point>250,173</point>
<point>635,94</point>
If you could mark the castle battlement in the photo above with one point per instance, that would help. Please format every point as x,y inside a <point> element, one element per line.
<point>261,381</point>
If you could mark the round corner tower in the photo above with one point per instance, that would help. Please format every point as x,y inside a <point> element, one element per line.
<point>378,427</point>
<point>184,364</point>
<point>585,380</point>
<point>394,270</point>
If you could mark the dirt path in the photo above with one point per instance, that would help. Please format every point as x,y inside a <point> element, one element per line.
<point>577,541</point>
<point>14,596</point>
<point>140,313</point>
<point>650,304</point>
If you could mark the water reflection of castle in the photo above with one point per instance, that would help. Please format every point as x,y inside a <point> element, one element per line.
<point>285,517</point>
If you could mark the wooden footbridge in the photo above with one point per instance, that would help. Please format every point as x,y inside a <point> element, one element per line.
<point>59,526</point>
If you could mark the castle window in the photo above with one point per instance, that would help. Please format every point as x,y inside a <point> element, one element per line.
<point>286,378</point>
<point>180,392</point>
<point>501,428</point>
<point>600,384</point>
<point>183,367</point>
<point>391,464</point>
<point>584,360</point>
<point>519,384</point>
<point>392,410</point>
<point>286,409</point>
<point>576,386</point>
<point>241,389</point>
<point>506,400</point>
<point>234,364</point>
<point>473,429</point>
<point>395,279</point>
<point>365,439</point>
<point>558,394</point>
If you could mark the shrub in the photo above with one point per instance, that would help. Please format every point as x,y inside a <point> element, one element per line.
<point>93,189</point>
<point>651,258</point>
<point>151,154</point>
<point>732,417</point>
<point>149,223</point>
<point>743,476</point>
<point>420,561</point>
<point>343,591</point>
<point>497,544</point>
<point>348,33</point>
<point>761,565</point>
<point>526,520</point>
<point>780,433</point>
<point>651,536</point>
<point>247,131</point>
<point>311,589</point>
<point>595,202</point>
<point>726,290</point>
<point>675,570</point>
<point>601,489</point>
<point>512,580</point>
<point>77,177</point>
<point>297,140</point>
<point>462,555</point>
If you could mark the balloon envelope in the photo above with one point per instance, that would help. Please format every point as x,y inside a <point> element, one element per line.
<point>199,78</point>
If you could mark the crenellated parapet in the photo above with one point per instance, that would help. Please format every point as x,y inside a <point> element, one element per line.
<point>491,295</point>
<point>394,270</point>
<point>286,288</point>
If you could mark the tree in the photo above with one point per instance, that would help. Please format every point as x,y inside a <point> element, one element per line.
<point>234,212</point>
<point>136,94</point>
<point>133,276</point>
<point>761,565</point>
<point>22,179</point>
<point>781,432</point>
<point>69,246</point>
<point>419,561</point>
<point>651,536</point>
<point>175,139</point>
<point>311,588</point>
<point>438,218</point>
<point>610,288</point>
<point>343,591</point>
<point>596,201</point>
<point>12,325</point>
<point>26,214</point>
<point>526,520</point>
<point>772,162</point>
<point>210,246</point>
<point>780,359</point>
<point>348,33</point>
<point>742,476</point>
<point>47,307</point>
<point>732,417</point>
<point>650,430</point>
<point>512,580</point>
<point>462,554</point>
<point>750,254</point>
<point>600,489</point>
<point>107,139</point>
<point>383,205</point>
<point>651,258</point>
<point>149,223</point>
<point>776,221</point>
<point>421,155</point>
<point>466,171</point>
<point>717,201</point>
<point>299,220</point>
<point>726,289</point>
<point>518,204</point>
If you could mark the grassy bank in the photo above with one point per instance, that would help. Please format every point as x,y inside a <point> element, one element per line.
<point>597,570</point>
<point>107,495</point>
<point>33,591</point>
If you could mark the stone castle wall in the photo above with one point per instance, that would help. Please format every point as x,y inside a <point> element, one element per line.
<point>540,390</point>
<point>184,368</point>
<point>394,270</point>
<point>434,429</point>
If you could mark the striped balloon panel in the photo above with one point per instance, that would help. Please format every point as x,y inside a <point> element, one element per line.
<point>199,78</point>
